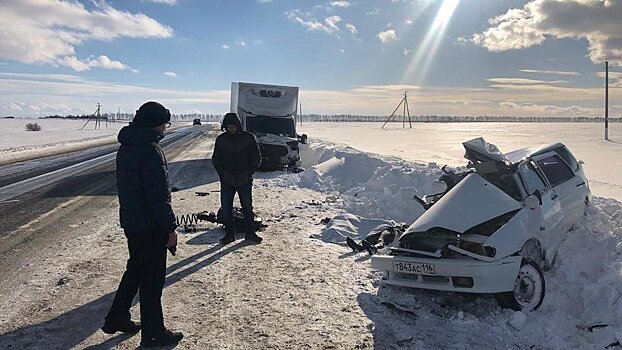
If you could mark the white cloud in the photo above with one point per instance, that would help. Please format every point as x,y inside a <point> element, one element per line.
<point>549,72</point>
<point>168,2</point>
<point>598,21</point>
<point>225,46</point>
<point>408,21</point>
<point>264,1</point>
<point>351,28</point>
<point>387,35</point>
<point>170,74</point>
<point>374,11</point>
<point>389,24</point>
<point>407,51</point>
<point>258,42</point>
<point>240,42</point>
<point>329,26</point>
<point>341,4</point>
<point>342,50</point>
<point>46,31</point>
<point>91,62</point>
<point>523,81</point>
<point>547,110</point>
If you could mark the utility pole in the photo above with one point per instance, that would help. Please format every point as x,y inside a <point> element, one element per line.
<point>607,100</point>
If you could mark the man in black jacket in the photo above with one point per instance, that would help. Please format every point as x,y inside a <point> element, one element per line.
<point>236,158</point>
<point>149,224</point>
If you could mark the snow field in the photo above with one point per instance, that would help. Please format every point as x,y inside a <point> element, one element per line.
<point>583,287</point>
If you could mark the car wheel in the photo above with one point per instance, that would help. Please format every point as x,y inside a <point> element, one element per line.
<point>529,289</point>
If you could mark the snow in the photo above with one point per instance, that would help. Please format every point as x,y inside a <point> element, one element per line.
<point>296,292</point>
<point>442,143</point>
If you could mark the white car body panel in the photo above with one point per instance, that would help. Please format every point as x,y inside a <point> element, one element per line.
<point>474,201</point>
<point>456,210</point>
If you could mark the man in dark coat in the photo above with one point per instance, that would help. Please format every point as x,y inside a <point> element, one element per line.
<point>236,158</point>
<point>149,224</point>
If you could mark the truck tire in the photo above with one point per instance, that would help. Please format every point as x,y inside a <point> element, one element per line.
<point>529,289</point>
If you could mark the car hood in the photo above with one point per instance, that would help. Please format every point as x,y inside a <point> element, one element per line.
<point>273,139</point>
<point>471,202</point>
<point>479,151</point>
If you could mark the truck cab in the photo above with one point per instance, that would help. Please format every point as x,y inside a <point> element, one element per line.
<point>269,112</point>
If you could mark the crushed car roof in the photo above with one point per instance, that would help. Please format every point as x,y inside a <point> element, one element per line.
<point>478,150</point>
<point>520,154</point>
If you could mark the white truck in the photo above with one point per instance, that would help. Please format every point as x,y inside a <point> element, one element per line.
<point>269,112</point>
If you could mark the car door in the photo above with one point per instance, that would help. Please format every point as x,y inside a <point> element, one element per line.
<point>582,191</point>
<point>563,182</point>
<point>551,230</point>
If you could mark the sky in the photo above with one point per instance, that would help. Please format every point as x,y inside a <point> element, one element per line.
<point>453,57</point>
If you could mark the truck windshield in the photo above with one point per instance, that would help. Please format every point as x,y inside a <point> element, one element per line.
<point>283,126</point>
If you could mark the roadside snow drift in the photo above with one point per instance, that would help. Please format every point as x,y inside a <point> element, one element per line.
<point>584,286</point>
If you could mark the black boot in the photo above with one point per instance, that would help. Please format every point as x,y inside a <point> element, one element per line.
<point>353,245</point>
<point>253,238</point>
<point>228,238</point>
<point>166,338</point>
<point>131,327</point>
<point>371,249</point>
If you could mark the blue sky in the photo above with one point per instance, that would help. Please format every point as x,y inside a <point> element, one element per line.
<point>455,57</point>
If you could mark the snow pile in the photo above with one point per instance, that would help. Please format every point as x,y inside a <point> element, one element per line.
<point>584,287</point>
<point>370,185</point>
<point>347,225</point>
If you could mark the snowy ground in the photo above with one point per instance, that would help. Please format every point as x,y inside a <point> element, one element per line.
<point>295,292</point>
<point>56,136</point>
<point>442,143</point>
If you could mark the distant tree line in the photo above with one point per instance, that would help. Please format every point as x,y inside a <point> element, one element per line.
<point>368,118</point>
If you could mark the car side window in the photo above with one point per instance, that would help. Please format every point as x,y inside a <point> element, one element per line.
<point>531,179</point>
<point>555,170</point>
<point>565,154</point>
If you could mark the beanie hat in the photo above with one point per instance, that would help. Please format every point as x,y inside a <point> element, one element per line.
<point>152,114</point>
<point>231,119</point>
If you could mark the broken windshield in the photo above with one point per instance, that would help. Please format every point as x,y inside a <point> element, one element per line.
<point>271,125</point>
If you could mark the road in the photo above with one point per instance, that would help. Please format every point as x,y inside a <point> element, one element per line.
<point>40,199</point>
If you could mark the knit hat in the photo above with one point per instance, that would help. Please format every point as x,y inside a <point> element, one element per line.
<point>152,114</point>
<point>231,119</point>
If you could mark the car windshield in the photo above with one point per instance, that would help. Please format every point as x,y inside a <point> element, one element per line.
<point>271,125</point>
<point>505,181</point>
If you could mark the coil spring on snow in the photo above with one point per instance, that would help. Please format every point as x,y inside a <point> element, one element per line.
<point>187,219</point>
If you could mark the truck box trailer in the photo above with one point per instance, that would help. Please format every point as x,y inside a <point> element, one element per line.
<point>269,112</point>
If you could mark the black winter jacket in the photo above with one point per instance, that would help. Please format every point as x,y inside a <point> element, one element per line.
<point>236,157</point>
<point>142,181</point>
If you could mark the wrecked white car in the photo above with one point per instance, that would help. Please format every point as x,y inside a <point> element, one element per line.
<point>495,228</point>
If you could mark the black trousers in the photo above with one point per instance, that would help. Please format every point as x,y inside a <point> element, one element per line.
<point>146,268</point>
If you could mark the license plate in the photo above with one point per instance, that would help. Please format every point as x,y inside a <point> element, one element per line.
<point>414,268</point>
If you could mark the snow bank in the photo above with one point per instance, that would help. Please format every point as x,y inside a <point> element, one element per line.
<point>370,185</point>
<point>583,287</point>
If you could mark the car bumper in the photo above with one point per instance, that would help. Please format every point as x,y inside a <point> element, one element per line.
<point>487,277</point>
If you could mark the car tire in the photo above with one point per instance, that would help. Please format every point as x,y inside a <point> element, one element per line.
<point>529,289</point>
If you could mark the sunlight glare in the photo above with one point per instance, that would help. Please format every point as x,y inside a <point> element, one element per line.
<point>420,63</point>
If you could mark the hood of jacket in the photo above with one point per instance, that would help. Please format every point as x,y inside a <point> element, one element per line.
<point>229,119</point>
<point>135,135</point>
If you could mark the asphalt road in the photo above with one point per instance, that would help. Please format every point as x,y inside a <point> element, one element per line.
<point>39,198</point>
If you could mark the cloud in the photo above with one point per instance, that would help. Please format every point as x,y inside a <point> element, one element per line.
<point>408,21</point>
<point>549,72</point>
<point>91,62</point>
<point>168,2</point>
<point>240,42</point>
<point>547,110</point>
<point>170,74</point>
<point>264,1</point>
<point>522,81</point>
<point>341,4</point>
<point>342,50</point>
<point>329,26</point>
<point>47,31</point>
<point>373,12</point>
<point>351,28</point>
<point>407,51</point>
<point>225,46</point>
<point>387,35</point>
<point>597,21</point>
